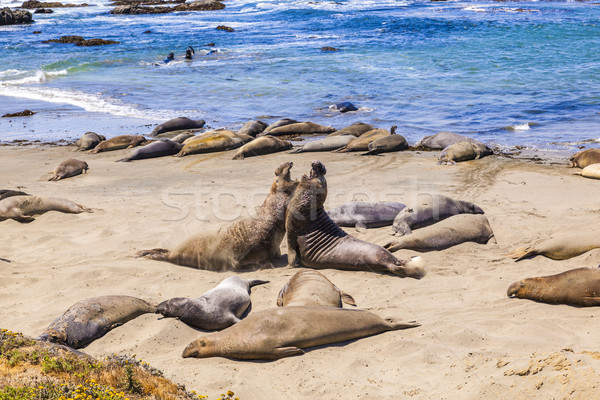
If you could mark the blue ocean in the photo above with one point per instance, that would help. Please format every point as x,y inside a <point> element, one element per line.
<point>507,73</point>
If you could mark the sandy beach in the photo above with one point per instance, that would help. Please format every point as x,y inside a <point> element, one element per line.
<point>474,342</point>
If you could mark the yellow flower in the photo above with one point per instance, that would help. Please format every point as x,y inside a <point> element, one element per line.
<point>230,393</point>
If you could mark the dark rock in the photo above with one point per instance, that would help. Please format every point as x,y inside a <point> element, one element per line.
<point>210,44</point>
<point>225,28</point>
<point>202,5</point>
<point>135,9</point>
<point>148,31</point>
<point>328,48</point>
<point>66,39</point>
<point>25,113</point>
<point>10,17</point>
<point>31,4</point>
<point>43,11</point>
<point>144,2</point>
<point>95,42</point>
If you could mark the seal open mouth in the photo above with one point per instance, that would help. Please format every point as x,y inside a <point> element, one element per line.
<point>318,169</point>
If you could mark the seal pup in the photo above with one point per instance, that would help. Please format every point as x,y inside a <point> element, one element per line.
<point>559,248</point>
<point>584,158</point>
<point>277,124</point>
<point>314,240</point>
<point>591,171</point>
<point>6,193</point>
<point>160,148</point>
<point>23,208</point>
<point>89,140</point>
<point>177,124</point>
<point>68,168</point>
<point>442,140</point>
<point>262,145</point>
<point>119,142</point>
<point>253,128</point>
<point>220,307</point>
<point>90,319</point>
<point>364,214</point>
<point>311,288</point>
<point>299,128</point>
<point>327,144</point>
<point>356,129</point>
<point>576,287</point>
<point>430,210</point>
<point>448,233</point>
<point>284,331</point>
<point>463,151</point>
<point>246,243</point>
<point>387,144</point>
<point>210,142</point>
<point>362,142</point>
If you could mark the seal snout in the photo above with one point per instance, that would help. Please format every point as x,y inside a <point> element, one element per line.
<point>318,169</point>
<point>513,290</point>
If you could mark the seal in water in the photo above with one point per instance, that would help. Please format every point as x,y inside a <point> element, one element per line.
<point>430,210</point>
<point>23,208</point>
<point>160,148</point>
<point>363,214</point>
<point>6,193</point>
<point>283,331</point>
<point>343,107</point>
<point>246,243</point>
<point>311,288</point>
<point>68,168</point>
<point>177,124</point>
<point>216,309</point>
<point>450,232</point>
<point>559,248</point>
<point>262,145</point>
<point>89,140</point>
<point>119,142</point>
<point>327,144</point>
<point>90,319</point>
<point>463,151</point>
<point>314,240</point>
<point>576,287</point>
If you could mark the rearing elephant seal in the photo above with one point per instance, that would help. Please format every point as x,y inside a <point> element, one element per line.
<point>90,319</point>
<point>177,124</point>
<point>68,168</point>
<point>283,331</point>
<point>311,288</point>
<point>220,307</point>
<point>247,243</point>
<point>576,287</point>
<point>23,208</point>
<point>314,240</point>
<point>560,248</point>
<point>428,211</point>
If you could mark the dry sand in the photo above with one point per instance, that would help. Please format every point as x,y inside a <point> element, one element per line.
<point>474,342</point>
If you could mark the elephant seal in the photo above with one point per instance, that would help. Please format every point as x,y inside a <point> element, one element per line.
<point>356,129</point>
<point>343,107</point>
<point>6,193</point>
<point>387,144</point>
<point>584,158</point>
<point>182,137</point>
<point>576,287</point>
<point>210,142</point>
<point>463,151</point>
<point>68,168</point>
<point>442,140</point>
<point>311,288</point>
<point>314,240</point>
<point>363,214</point>
<point>559,248</point>
<point>220,307</point>
<point>160,148</point>
<point>177,124</point>
<point>89,140</point>
<point>283,331</point>
<point>591,171</point>
<point>277,124</point>
<point>23,208</point>
<point>298,128</point>
<point>362,142</point>
<point>326,144</point>
<point>450,232</point>
<point>90,319</point>
<point>428,211</point>
<point>262,145</point>
<point>253,128</point>
<point>120,142</point>
<point>247,243</point>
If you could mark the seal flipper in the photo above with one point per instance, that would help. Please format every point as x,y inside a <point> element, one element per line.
<point>392,246</point>
<point>590,301</point>
<point>395,324</point>
<point>154,254</point>
<point>256,282</point>
<point>522,253</point>
<point>24,218</point>
<point>285,352</point>
<point>348,299</point>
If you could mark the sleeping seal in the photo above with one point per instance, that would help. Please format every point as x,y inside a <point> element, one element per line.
<point>253,128</point>
<point>262,145</point>
<point>363,214</point>
<point>387,144</point>
<point>23,208</point>
<point>559,248</point>
<point>311,288</point>
<point>327,144</point>
<point>442,140</point>
<point>160,148</point>
<point>89,140</point>
<point>298,128</point>
<point>68,168</point>
<point>356,129</point>
<point>362,142</point>
<point>177,124</point>
<point>585,158</point>
<point>463,151</point>
<point>591,171</point>
<point>119,142</point>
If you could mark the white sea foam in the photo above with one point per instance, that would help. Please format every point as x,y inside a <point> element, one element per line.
<point>518,127</point>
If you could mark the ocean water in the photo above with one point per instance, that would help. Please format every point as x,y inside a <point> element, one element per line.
<point>507,73</point>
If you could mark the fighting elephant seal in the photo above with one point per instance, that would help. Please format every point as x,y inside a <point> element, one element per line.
<point>119,142</point>
<point>23,208</point>
<point>314,240</point>
<point>262,145</point>
<point>298,128</point>
<point>576,287</point>
<point>253,128</point>
<point>362,142</point>
<point>591,171</point>
<point>6,193</point>
<point>429,210</point>
<point>247,243</point>
<point>68,168</point>
<point>586,157</point>
<point>363,214</point>
<point>450,232</point>
<point>442,140</point>
<point>90,319</point>
<point>284,331</point>
<point>218,308</point>
<point>326,144</point>
<point>559,248</point>
<point>463,151</point>
<point>387,144</point>
<point>89,140</point>
<point>177,124</point>
<point>160,148</point>
<point>311,288</point>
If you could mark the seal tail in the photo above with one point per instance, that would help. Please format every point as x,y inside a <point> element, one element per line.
<point>256,282</point>
<point>348,299</point>
<point>154,254</point>
<point>522,253</point>
<point>396,325</point>
<point>370,153</point>
<point>341,150</point>
<point>53,178</point>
